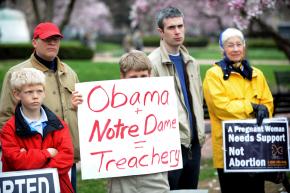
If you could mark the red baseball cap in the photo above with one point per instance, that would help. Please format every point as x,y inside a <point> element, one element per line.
<point>45,30</point>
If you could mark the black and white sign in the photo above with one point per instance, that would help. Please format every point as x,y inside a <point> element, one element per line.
<point>252,148</point>
<point>43,180</point>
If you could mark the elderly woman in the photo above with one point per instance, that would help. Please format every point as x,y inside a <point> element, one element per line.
<point>235,90</point>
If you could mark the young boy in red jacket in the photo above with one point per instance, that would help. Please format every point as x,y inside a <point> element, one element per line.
<point>35,137</point>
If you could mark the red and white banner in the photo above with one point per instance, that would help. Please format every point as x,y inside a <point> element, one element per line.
<point>128,127</point>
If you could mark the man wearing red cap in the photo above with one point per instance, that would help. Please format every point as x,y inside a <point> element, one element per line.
<point>60,82</point>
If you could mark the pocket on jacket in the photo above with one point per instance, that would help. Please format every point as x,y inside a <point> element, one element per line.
<point>70,87</point>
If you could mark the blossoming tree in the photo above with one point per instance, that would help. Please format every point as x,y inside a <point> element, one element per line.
<point>212,16</point>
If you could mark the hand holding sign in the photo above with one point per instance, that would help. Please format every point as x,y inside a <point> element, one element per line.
<point>261,112</point>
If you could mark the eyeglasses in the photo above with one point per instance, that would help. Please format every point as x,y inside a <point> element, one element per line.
<point>230,45</point>
<point>51,39</point>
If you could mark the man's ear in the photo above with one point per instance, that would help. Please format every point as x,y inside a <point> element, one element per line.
<point>161,32</point>
<point>34,42</point>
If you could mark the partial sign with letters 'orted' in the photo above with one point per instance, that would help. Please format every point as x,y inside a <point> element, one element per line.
<point>42,180</point>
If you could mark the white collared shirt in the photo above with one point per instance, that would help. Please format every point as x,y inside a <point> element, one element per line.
<point>36,125</point>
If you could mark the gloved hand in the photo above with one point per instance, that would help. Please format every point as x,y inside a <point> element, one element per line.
<point>261,112</point>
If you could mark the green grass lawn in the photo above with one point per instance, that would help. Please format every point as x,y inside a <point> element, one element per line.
<point>86,70</point>
<point>94,71</point>
<point>91,186</point>
<point>114,49</point>
<point>212,51</point>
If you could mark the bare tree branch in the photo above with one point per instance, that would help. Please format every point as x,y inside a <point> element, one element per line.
<point>120,11</point>
<point>67,14</point>
<point>282,43</point>
<point>49,10</point>
<point>36,11</point>
<point>218,18</point>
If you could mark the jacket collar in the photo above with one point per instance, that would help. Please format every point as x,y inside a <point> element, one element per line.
<point>22,128</point>
<point>38,65</point>
<point>165,55</point>
<point>254,72</point>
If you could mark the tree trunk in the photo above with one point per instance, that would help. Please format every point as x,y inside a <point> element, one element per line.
<point>67,14</point>
<point>282,43</point>
<point>49,10</point>
<point>120,11</point>
<point>36,11</point>
<point>218,19</point>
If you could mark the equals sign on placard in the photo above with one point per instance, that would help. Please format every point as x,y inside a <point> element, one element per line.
<point>139,144</point>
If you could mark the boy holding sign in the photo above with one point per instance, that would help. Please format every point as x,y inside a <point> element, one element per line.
<point>35,137</point>
<point>136,64</point>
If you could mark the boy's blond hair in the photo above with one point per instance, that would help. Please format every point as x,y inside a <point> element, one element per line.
<point>26,76</point>
<point>134,60</point>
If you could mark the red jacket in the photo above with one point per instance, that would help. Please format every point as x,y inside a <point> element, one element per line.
<point>16,135</point>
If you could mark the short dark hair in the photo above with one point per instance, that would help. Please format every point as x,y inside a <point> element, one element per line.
<point>165,13</point>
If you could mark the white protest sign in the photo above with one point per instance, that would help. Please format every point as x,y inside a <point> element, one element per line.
<point>42,180</point>
<point>252,148</point>
<point>128,127</point>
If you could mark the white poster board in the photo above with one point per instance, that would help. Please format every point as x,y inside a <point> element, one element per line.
<point>128,127</point>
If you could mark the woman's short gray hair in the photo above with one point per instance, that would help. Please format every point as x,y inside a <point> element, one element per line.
<point>228,33</point>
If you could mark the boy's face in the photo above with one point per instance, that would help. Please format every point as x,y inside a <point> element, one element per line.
<point>136,74</point>
<point>31,96</point>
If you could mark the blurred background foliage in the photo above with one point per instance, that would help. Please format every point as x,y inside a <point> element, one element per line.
<point>94,22</point>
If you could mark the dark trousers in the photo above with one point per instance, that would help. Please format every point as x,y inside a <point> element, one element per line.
<point>187,177</point>
<point>74,177</point>
<point>241,182</point>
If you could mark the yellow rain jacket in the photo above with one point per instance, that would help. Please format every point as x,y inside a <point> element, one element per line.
<point>231,99</point>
